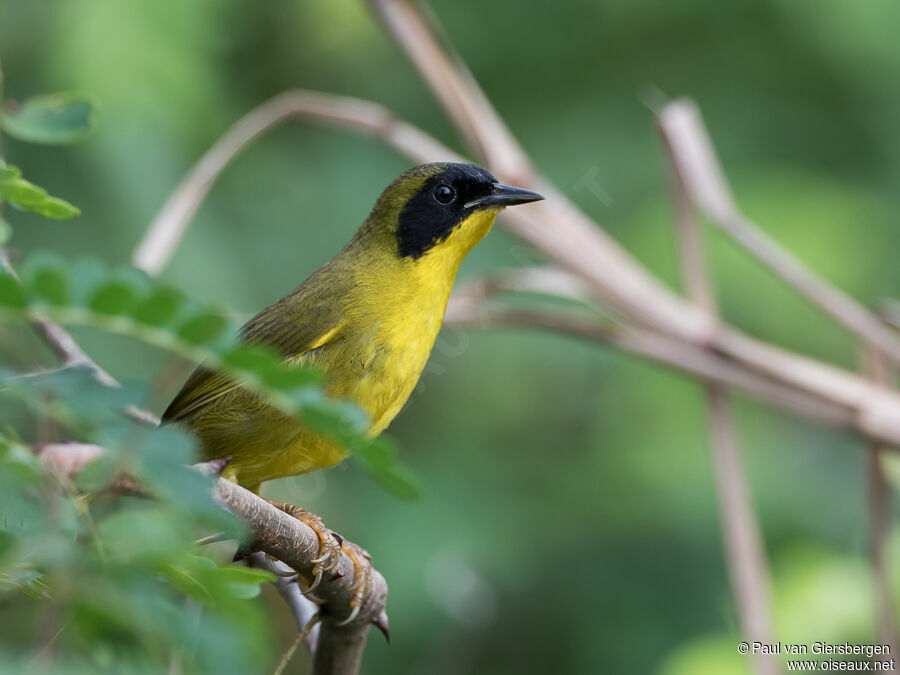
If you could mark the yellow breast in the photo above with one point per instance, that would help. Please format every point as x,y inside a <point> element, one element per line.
<point>385,345</point>
<point>390,318</point>
<point>393,316</point>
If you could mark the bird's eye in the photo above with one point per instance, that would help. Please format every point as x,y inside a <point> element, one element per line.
<point>444,194</point>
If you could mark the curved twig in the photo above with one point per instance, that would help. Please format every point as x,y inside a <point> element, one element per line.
<point>704,182</point>
<point>168,227</point>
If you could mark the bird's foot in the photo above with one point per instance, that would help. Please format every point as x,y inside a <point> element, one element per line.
<point>329,558</point>
<point>331,545</point>
<point>362,579</point>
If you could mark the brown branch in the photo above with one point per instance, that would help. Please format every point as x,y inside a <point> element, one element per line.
<point>286,584</point>
<point>877,368</point>
<point>556,226</point>
<point>451,83</point>
<point>582,249</point>
<point>705,182</point>
<point>657,347</point>
<point>744,548</point>
<point>568,237</point>
<point>280,536</point>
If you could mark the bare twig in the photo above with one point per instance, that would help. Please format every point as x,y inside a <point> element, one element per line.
<point>658,347</point>
<point>744,549</point>
<point>556,226</point>
<point>166,231</point>
<point>302,608</point>
<point>453,85</point>
<point>882,373</point>
<point>704,180</point>
<point>302,636</point>
<point>544,279</point>
<point>568,237</point>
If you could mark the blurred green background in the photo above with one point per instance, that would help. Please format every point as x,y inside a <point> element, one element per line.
<point>569,520</point>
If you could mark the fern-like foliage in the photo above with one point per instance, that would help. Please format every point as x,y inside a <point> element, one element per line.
<point>128,302</point>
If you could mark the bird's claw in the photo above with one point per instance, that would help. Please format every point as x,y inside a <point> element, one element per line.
<point>331,546</point>
<point>329,559</point>
<point>362,565</point>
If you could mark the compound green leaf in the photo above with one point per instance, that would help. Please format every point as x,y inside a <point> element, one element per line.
<point>53,119</point>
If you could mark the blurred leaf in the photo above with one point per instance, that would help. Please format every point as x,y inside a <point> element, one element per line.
<point>8,172</point>
<point>8,543</point>
<point>29,581</point>
<point>53,207</point>
<point>99,473</point>
<point>27,465</point>
<point>5,231</point>
<point>11,294</point>
<point>244,575</point>
<point>822,595</point>
<point>159,307</point>
<point>187,583</point>
<point>271,368</point>
<point>20,474</point>
<point>23,194</point>
<point>243,582</point>
<point>203,328</point>
<point>85,276</point>
<point>55,119</point>
<point>45,276</point>
<point>293,387</point>
<point>113,297</point>
<point>342,421</point>
<point>379,457</point>
<point>51,284</point>
<point>147,536</point>
<point>75,398</point>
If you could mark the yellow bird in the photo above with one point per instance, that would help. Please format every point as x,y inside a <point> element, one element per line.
<point>368,319</point>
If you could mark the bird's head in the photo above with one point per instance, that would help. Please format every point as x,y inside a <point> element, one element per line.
<point>443,207</point>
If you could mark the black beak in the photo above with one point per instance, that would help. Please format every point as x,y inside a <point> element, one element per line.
<point>505,195</point>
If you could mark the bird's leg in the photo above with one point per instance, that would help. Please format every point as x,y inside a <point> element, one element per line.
<point>329,542</point>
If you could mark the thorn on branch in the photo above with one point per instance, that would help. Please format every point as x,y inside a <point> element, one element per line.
<point>381,623</point>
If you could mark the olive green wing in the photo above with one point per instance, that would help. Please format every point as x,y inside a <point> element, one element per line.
<point>293,326</point>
